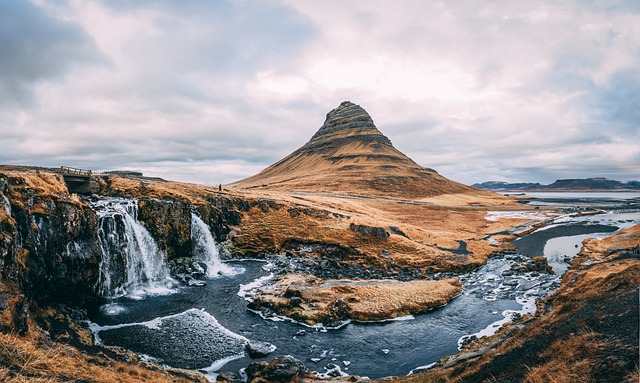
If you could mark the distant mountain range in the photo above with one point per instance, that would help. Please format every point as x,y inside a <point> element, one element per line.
<point>576,184</point>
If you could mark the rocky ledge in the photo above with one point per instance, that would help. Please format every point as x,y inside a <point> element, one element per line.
<point>311,300</point>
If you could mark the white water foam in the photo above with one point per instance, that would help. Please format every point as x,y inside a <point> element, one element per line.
<point>528,307</point>
<point>245,290</point>
<point>422,368</point>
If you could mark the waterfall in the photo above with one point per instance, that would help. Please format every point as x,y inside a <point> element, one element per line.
<point>205,250</point>
<point>132,264</point>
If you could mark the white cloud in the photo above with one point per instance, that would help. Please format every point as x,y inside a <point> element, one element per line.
<point>475,89</point>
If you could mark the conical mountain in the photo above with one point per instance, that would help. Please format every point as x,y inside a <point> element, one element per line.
<point>349,155</point>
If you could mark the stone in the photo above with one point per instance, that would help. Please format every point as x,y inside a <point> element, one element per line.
<point>281,369</point>
<point>257,349</point>
<point>228,376</point>
<point>295,301</point>
<point>378,233</point>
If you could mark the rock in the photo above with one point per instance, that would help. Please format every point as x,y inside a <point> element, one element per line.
<point>199,268</point>
<point>295,301</point>
<point>228,376</point>
<point>281,369</point>
<point>257,349</point>
<point>301,333</point>
<point>197,283</point>
<point>378,233</point>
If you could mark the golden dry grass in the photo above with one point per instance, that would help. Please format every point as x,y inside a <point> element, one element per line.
<point>369,300</point>
<point>28,360</point>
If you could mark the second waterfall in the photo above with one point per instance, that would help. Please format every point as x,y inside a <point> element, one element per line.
<point>205,250</point>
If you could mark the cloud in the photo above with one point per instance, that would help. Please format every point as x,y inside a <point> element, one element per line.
<point>214,91</point>
<point>37,48</point>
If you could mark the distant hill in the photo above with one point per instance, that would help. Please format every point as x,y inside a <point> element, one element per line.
<point>349,155</point>
<point>573,184</point>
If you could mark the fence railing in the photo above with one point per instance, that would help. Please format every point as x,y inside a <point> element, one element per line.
<point>74,171</point>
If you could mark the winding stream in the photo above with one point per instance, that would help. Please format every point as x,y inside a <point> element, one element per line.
<point>207,327</point>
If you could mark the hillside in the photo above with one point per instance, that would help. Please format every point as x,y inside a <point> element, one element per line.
<point>349,155</point>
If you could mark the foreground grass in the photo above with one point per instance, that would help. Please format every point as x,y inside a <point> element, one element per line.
<point>34,359</point>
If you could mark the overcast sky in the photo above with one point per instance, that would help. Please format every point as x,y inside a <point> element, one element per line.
<point>214,91</point>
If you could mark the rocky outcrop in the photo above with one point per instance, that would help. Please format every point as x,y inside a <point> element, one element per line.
<point>311,300</point>
<point>377,233</point>
<point>50,248</point>
<point>281,369</point>
<point>169,222</point>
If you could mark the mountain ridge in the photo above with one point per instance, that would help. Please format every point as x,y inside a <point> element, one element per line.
<point>570,184</point>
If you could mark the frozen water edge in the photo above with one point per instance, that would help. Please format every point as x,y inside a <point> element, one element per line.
<point>496,215</point>
<point>213,344</point>
<point>528,307</point>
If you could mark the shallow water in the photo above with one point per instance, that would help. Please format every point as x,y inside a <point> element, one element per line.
<point>368,349</point>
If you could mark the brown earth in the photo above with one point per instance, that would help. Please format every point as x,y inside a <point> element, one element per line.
<point>311,300</point>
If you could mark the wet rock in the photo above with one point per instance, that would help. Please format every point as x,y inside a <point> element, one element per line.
<point>525,265</point>
<point>338,312</point>
<point>169,223</point>
<point>301,333</point>
<point>397,231</point>
<point>281,369</point>
<point>257,349</point>
<point>295,301</point>
<point>228,376</point>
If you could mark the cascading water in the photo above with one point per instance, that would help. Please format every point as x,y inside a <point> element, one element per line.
<point>205,250</point>
<point>131,262</point>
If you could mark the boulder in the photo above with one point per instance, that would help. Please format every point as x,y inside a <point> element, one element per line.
<point>378,233</point>
<point>281,369</point>
<point>257,349</point>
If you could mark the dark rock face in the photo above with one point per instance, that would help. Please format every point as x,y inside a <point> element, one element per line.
<point>169,223</point>
<point>221,214</point>
<point>48,251</point>
<point>281,369</point>
<point>62,251</point>
<point>49,245</point>
<point>378,233</point>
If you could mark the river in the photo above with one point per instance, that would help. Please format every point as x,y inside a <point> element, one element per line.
<point>207,327</point>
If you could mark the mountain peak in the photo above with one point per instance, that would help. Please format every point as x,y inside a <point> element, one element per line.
<point>346,116</point>
<point>349,155</point>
